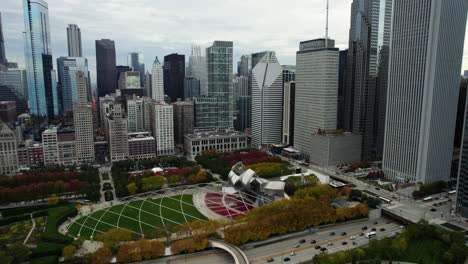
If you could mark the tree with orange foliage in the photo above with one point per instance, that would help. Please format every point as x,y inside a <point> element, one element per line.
<point>190,245</point>
<point>102,256</point>
<point>345,191</point>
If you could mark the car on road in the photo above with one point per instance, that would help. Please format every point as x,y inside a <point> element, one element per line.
<point>374,229</point>
<point>323,249</point>
<point>332,233</point>
<point>353,237</point>
<point>302,241</point>
<point>377,188</point>
<point>433,209</point>
<point>270,260</point>
<point>364,228</point>
<point>293,254</point>
<point>376,223</point>
<point>330,243</point>
<point>313,241</point>
<point>382,229</point>
<point>287,259</point>
<point>297,245</point>
<point>354,243</point>
<point>362,234</point>
<point>343,234</point>
<point>435,204</point>
<point>344,243</point>
<point>318,247</point>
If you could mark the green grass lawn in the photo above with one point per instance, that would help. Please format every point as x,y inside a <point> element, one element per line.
<point>421,251</point>
<point>142,220</point>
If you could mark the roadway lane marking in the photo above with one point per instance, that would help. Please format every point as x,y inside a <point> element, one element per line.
<point>309,246</point>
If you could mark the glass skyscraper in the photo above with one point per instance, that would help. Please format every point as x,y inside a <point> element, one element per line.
<point>215,110</point>
<point>67,70</point>
<point>38,59</point>
<point>137,62</point>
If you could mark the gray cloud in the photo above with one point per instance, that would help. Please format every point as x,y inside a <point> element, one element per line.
<point>160,27</point>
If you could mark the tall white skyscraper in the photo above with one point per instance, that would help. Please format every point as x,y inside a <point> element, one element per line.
<point>424,79</point>
<point>83,121</point>
<point>316,91</point>
<point>50,146</point>
<point>157,81</point>
<point>135,117</point>
<point>267,100</point>
<point>118,140</point>
<point>163,128</point>
<point>74,41</point>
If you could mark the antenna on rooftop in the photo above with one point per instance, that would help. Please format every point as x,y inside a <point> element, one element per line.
<point>326,29</point>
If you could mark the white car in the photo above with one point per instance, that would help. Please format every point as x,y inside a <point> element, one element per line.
<point>353,237</point>
<point>292,254</point>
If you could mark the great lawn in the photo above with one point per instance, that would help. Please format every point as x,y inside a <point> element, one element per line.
<point>141,216</point>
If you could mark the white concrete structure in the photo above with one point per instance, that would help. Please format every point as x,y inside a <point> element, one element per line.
<point>50,146</point>
<point>117,138</point>
<point>8,150</point>
<point>222,141</point>
<point>74,41</point>
<point>163,128</point>
<point>267,100</point>
<point>424,79</point>
<point>83,122</point>
<point>316,91</point>
<point>330,150</point>
<point>157,81</point>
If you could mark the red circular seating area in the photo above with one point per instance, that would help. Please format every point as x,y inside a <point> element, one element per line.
<point>232,206</point>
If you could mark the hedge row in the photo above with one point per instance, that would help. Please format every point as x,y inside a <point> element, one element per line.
<point>44,249</point>
<point>56,217</point>
<point>29,209</point>
<point>45,260</point>
<point>22,217</point>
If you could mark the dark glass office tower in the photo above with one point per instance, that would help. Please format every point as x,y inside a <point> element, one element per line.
<point>137,62</point>
<point>3,59</point>
<point>105,67</point>
<point>174,75</point>
<point>369,39</point>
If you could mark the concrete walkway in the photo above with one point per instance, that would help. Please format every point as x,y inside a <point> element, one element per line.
<point>102,170</point>
<point>30,231</point>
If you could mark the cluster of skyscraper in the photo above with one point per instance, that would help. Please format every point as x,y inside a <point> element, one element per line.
<point>391,96</point>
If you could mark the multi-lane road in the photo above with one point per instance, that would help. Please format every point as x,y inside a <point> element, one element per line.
<point>297,252</point>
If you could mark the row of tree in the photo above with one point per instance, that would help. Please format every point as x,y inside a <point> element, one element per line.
<point>123,180</point>
<point>41,190</point>
<point>309,207</point>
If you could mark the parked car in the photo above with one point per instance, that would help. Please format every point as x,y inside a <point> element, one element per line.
<point>287,259</point>
<point>313,241</point>
<point>354,243</point>
<point>293,254</point>
<point>318,247</point>
<point>376,223</point>
<point>382,229</point>
<point>433,209</point>
<point>302,241</point>
<point>343,234</point>
<point>270,260</point>
<point>374,229</point>
<point>332,233</point>
<point>364,228</point>
<point>323,249</point>
<point>353,237</point>
<point>344,243</point>
<point>330,243</point>
<point>297,245</point>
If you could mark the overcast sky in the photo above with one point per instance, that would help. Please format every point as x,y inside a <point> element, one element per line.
<point>161,27</point>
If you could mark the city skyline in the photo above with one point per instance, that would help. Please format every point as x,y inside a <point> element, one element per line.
<point>191,25</point>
